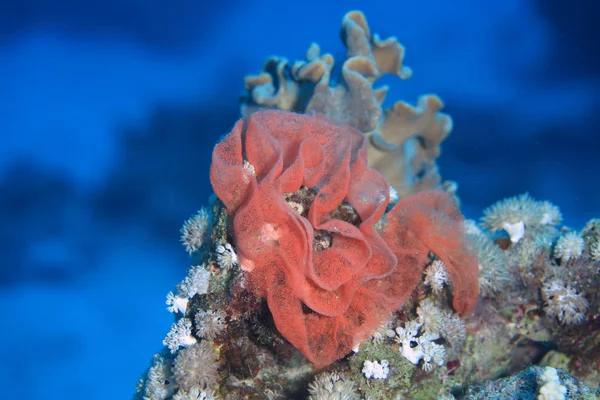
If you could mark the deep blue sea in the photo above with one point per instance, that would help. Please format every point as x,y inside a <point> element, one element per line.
<point>109,111</point>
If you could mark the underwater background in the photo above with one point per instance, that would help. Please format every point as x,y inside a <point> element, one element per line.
<point>110,109</point>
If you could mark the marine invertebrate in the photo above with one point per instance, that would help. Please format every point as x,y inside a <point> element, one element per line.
<point>196,281</point>
<point>226,257</point>
<point>493,274</point>
<point>179,335</point>
<point>376,369</point>
<point>564,303</point>
<point>569,247</point>
<point>430,316</point>
<point>329,277</point>
<point>403,140</point>
<point>332,386</point>
<point>551,389</point>
<point>194,230</point>
<point>384,331</point>
<point>159,383</point>
<point>176,303</point>
<point>595,250</point>
<point>513,215</point>
<point>195,393</point>
<point>415,346</point>
<point>436,276</point>
<point>196,365</point>
<point>209,323</point>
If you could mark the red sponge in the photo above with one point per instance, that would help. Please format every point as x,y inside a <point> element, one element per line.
<point>325,302</point>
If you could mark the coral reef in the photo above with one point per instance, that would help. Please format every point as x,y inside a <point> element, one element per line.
<point>227,344</point>
<point>403,140</point>
<point>312,278</point>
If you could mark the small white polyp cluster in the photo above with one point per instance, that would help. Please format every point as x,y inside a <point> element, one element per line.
<point>226,257</point>
<point>180,335</point>
<point>515,231</point>
<point>376,370</point>
<point>551,389</point>
<point>414,347</point>
<point>569,246</point>
<point>436,276</point>
<point>516,214</point>
<point>196,282</point>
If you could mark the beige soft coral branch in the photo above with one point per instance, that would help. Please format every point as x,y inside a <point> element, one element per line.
<point>404,141</point>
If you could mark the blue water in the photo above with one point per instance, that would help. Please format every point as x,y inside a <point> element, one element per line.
<point>108,114</point>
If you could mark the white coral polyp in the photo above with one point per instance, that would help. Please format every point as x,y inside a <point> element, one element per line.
<point>551,389</point>
<point>515,231</point>
<point>226,256</point>
<point>376,370</point>
<point>569,246</point>
<point>176,303</point>
<point>416,348</point>
<point>180,335</point>
<point>435,276</point>
<point>196,282</point>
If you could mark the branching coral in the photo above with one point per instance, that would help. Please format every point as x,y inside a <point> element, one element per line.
<point>330,278</point>
<point>404,141</point>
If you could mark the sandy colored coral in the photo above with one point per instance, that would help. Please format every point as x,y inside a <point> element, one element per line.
<point>404,141</point>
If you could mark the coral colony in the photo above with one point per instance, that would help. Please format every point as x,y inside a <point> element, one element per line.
<point>334,263</point>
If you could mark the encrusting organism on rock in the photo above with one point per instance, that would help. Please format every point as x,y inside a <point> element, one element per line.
<point>330,259</point>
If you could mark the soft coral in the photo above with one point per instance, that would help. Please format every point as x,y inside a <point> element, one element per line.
<point>325,302</point>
